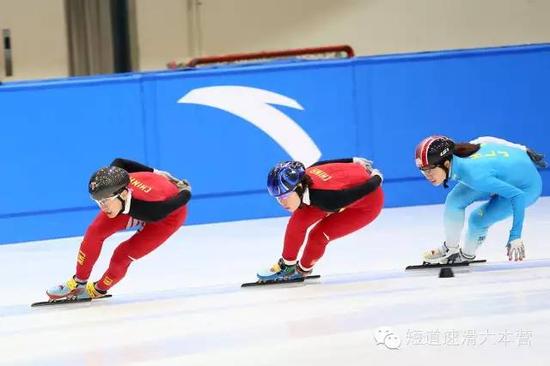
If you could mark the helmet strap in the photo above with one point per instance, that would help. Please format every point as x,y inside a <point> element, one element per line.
<point>122,202</point>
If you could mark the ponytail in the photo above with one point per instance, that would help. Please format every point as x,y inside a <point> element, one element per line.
<point>463,150</point>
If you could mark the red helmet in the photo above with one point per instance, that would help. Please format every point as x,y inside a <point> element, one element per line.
<point>433,151</point>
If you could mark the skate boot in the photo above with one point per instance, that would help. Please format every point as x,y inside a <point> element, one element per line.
<point>460,257</point>
<point>69,289</point>
<point>446,255</point>
<point>281,271</point>
<point>90,292</point>
<point>440,255</point>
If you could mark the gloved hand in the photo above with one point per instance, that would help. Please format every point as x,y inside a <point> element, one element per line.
<point>180,183</point>
<point>166,174</point>
<point>183,185</point>
<point>367,164</point>
<point>378,173</point>
<point>515,250</point>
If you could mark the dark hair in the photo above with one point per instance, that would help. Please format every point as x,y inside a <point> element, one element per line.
<point>305,182</point>
<point>463,150</point>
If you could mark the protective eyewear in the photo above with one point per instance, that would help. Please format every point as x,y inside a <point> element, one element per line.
<point>105,201</point>
<point>284,196</point>
<point>428,170</point>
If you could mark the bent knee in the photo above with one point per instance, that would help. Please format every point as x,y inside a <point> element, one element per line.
<point>318,236</point>
<point>479,219</point>
<point>453,202</point>
<point>122,255</point>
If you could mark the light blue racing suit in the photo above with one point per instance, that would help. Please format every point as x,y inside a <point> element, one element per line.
<point>503,174</point>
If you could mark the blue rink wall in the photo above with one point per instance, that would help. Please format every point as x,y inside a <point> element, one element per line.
<point>234,123</point>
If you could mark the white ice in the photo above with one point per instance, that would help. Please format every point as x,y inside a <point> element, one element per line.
<point>183,304</point>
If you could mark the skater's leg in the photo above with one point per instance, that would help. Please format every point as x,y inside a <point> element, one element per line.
<point>90,248</point>
<point>296,229</point>
<point>101,228</point>
<point>139,245</point>
<point>333,227</point>
<point>497,209</point>
<point>460,197</point>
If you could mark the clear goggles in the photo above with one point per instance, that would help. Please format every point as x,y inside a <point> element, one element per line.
<point>106,201</point>
<point>284,196</point>
<point>428,170</point>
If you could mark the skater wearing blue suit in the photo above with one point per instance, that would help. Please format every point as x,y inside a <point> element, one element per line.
<point>488,169</point>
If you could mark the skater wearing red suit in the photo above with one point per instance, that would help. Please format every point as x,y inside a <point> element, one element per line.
<point>129,194</point>
<point>334,198</point>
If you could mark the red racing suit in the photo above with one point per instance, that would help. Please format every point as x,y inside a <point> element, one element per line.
<point>155,204</point>
<point>342,198</point>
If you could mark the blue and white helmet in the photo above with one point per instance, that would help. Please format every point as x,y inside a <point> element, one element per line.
<point>285,177</point>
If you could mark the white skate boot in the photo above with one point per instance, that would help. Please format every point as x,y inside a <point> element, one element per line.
<point>446,255</point>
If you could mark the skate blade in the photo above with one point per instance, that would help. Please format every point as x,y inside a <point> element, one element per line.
<point>279,282</point>
<point>439,265</point>
<point>67,301</point>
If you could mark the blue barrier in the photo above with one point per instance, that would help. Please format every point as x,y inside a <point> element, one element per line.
<point>216,128</point>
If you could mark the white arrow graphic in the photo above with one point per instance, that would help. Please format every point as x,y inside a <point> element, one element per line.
<point>253,105</point>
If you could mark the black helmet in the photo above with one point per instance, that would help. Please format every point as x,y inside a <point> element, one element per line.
<point>108,182</point>
<point>433,151</point>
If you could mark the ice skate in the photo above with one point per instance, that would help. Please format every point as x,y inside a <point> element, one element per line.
<point>90,292</point>
<point>281,271</point>
<point>74,290</point>
<point>446,255</point>
<point>69,289</point>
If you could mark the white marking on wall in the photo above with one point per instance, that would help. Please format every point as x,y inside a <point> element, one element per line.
<point>254,106</point>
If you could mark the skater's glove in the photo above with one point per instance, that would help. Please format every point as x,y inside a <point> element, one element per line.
<point>515,250</point>
<point>377,173</point>
<point>183,185</point>
<point>170,177</point>
<point>365,163</point>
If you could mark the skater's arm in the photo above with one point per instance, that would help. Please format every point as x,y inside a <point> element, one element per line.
<point>157,210</point>
<point>333,200</point>
<point>131,166</point>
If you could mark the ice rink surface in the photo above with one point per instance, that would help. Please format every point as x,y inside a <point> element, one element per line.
<point>183,304</point>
